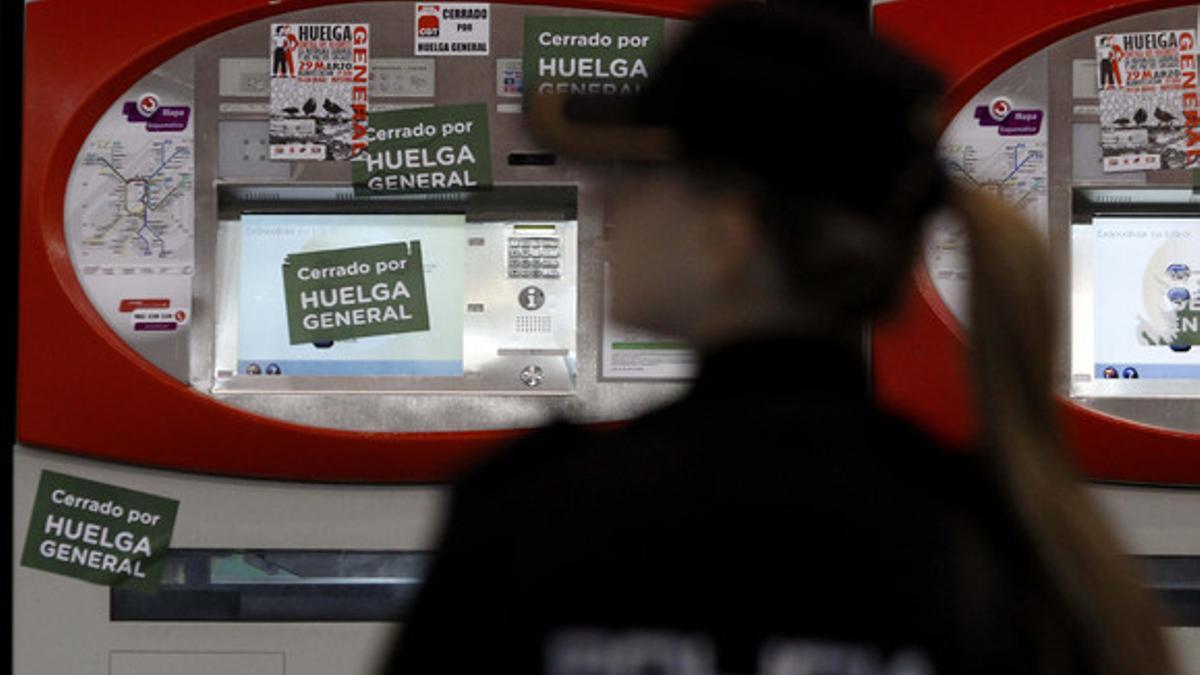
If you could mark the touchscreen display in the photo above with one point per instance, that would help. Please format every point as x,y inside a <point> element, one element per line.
<point>1146,297</point>
<point>350,295</point>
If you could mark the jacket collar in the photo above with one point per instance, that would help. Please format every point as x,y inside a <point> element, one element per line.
<point>783,366</point>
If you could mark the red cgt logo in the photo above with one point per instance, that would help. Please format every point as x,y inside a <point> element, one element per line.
<point>428,22</point>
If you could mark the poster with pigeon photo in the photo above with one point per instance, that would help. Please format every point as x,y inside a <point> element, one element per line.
<point>319,84</point>
<point>1145,81</point>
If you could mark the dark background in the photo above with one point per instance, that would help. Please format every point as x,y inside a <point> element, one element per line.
<point>12,18</point>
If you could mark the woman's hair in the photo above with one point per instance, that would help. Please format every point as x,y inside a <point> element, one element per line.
<point>1093,583</point>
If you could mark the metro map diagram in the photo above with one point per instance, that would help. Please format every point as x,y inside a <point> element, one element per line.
<point>135,201</point>
<point>1014,170</point>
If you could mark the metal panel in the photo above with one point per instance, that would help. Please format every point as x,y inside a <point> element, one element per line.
<point>219,513</point>
<point>195,663</point>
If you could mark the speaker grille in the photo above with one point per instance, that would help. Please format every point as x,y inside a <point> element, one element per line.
<point>533,324</point>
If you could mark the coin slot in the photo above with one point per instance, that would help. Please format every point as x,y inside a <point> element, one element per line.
<point>532,159</point>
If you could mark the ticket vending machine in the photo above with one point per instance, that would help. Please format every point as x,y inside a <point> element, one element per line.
<point>1085,115</point>
<point>158,354</point>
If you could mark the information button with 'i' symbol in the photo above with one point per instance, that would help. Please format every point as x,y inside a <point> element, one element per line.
<point>531,298</point>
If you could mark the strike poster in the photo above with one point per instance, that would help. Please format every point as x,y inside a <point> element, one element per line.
<point>355,292</point>
<point>319,85</point>
<point>426,150</point>
<point>1149,105</point>
<point>351,295</point>
<point>590,55</point>
<point>453,29</point>
<point>100,533</point>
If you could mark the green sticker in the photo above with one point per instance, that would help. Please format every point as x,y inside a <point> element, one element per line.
<point>355,292</point>
<point>1188,324</point>
<point>426,150</point>
<point>99,533</point>
<point>590,55</point>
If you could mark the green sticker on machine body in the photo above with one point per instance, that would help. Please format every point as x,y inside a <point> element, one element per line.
<point>99,533</point>
<point>446,148</point>
<point>590,55</point>
<point>355,292</point>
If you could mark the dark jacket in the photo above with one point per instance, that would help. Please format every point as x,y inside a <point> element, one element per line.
<point>770,519</point>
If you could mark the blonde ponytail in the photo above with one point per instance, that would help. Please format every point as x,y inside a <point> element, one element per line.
<point>1108,615</point>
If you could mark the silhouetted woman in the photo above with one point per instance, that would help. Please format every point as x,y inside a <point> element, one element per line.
<point>773,182</point>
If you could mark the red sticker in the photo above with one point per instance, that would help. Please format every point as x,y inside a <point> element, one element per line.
<point>131,304</point>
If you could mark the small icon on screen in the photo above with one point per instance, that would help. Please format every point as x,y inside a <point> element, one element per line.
<point>1130,373</point>
<point>254,369</point>
<point>1178,271</point>
<point>1179,297</point>
<point>1110,373</point>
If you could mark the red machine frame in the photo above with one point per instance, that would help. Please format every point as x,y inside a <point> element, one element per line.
<point>919,359</point>
<point>81,389</point>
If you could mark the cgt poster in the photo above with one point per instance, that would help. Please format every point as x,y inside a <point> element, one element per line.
<point>319,85</point>
<point>1149,106</point>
